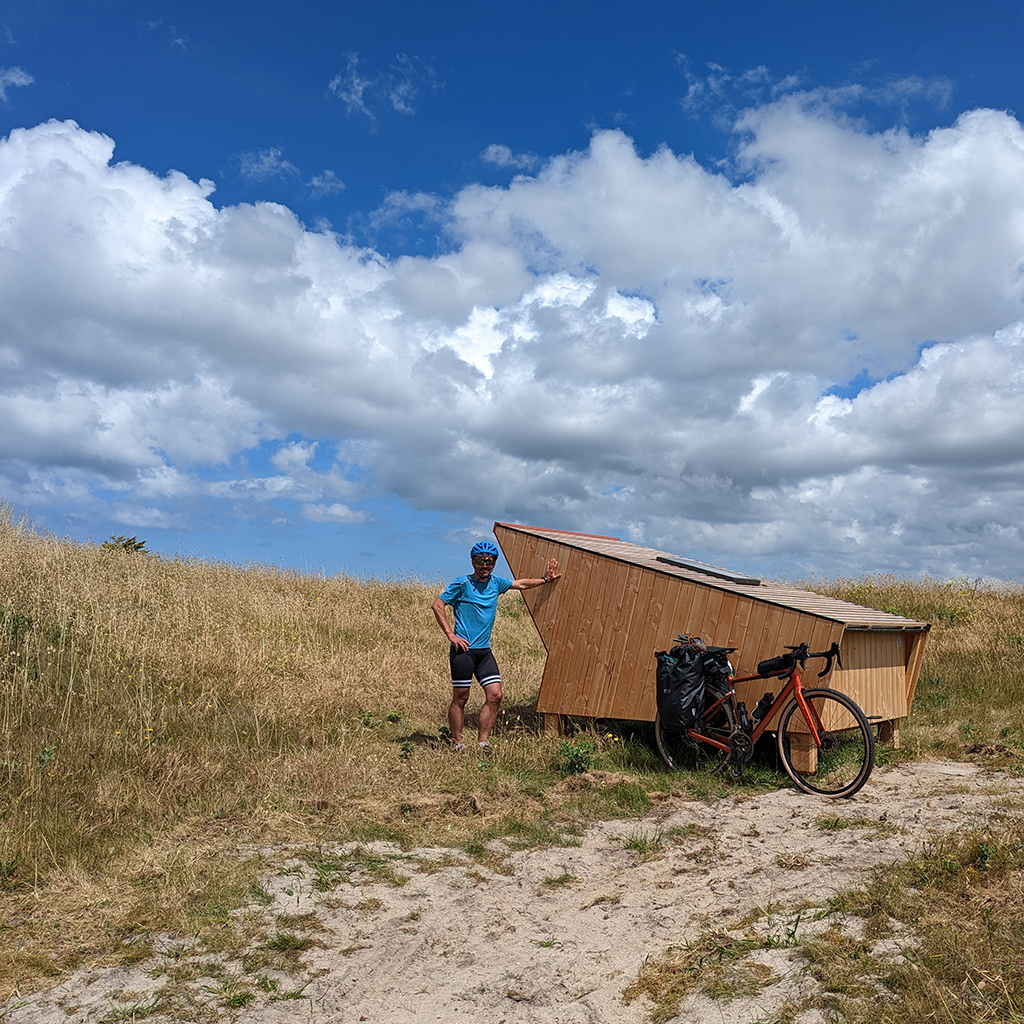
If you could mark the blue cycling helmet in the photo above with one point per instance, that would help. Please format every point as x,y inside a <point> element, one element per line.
<point>484,547</point>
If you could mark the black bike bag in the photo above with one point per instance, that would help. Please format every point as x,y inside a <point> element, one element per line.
<point>775,666</point>
<point>680,687</point>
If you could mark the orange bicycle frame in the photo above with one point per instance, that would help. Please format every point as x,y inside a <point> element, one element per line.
<point>794,687</point>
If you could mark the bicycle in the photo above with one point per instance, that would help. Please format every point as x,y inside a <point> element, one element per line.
<point>824,740</point>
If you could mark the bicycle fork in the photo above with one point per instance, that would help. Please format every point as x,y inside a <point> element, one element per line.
<point>811,716</point>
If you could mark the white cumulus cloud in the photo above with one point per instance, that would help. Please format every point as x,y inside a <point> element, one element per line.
<point>620,343</point>
<point>333,513</point>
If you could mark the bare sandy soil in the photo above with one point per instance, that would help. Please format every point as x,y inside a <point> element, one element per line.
<point>558,939</point>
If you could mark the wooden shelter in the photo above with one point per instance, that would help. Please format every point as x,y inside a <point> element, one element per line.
<point>617,603</point>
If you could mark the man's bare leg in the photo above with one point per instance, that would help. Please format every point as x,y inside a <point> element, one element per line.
<point>489,712</point>
<point>457,712</point>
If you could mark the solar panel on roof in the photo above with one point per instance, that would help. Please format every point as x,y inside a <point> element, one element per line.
<point>710,570</point>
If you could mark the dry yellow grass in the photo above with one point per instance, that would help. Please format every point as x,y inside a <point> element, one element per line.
<point>156,714</point>
<point>970,695</point>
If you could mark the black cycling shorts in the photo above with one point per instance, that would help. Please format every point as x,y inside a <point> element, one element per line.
<point>477,661</point>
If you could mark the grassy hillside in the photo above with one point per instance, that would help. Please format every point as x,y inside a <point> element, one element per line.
<point>155,714</point>
<point>970,694</point>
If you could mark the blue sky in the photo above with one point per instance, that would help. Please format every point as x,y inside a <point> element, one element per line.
<point>336,286</point>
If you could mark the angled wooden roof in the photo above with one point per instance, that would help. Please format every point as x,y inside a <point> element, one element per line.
<point>853,616</point>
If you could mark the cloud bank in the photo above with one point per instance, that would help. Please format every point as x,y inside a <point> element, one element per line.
<point>815,362</point>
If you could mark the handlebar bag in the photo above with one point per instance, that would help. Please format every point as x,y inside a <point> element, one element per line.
<point>773,666</point>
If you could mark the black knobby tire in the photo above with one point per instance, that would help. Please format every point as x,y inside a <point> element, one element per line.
<point>681,753</point>
<point>843,762</point>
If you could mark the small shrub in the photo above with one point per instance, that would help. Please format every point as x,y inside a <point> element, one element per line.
<point>575,757</point>
<point>119,543</point>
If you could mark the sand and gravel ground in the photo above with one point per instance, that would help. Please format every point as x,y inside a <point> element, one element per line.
<point>556,940</point>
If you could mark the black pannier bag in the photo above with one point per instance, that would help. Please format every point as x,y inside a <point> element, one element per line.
<point>680,687</point>
<point>690,677</point>
<point>717,670</point>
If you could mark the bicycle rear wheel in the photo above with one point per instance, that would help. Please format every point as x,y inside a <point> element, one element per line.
<point>681,753</point>
<point>843,761</point>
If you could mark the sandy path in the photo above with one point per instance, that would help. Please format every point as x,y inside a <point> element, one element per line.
<point>462,942</point>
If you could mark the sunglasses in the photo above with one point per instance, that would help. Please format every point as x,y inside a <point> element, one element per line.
<point>484,560</point>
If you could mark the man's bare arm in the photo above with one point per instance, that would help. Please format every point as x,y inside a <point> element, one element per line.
<point>550,575</point>
<point>438,608</point>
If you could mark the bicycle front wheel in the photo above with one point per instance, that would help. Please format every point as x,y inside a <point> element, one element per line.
<point>841,764</point>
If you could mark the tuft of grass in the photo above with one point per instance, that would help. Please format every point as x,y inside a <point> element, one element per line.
<point>792,861</point>
<point>235,996</point>
<point>738,981</point>
<point>646,844</point>
<point>873,826</point>
<point>289,943</point>
<point>559,881</point>
<point>308,922</point>
<point>712,964</point>
<point>133,1011</point>
<point>631,797</point>
<point>360,864</point>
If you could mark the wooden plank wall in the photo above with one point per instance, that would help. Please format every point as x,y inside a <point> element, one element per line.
<point>602,622</point>
<point>874,671</point>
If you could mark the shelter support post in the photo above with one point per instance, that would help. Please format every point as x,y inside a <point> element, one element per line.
<point>803,752</point>
<point>554,725</point>
<point>889,732</point>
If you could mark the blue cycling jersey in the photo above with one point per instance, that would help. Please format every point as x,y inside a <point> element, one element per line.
<point>475,604</point>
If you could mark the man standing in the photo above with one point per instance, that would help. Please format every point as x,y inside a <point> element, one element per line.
<point>474,600</point>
